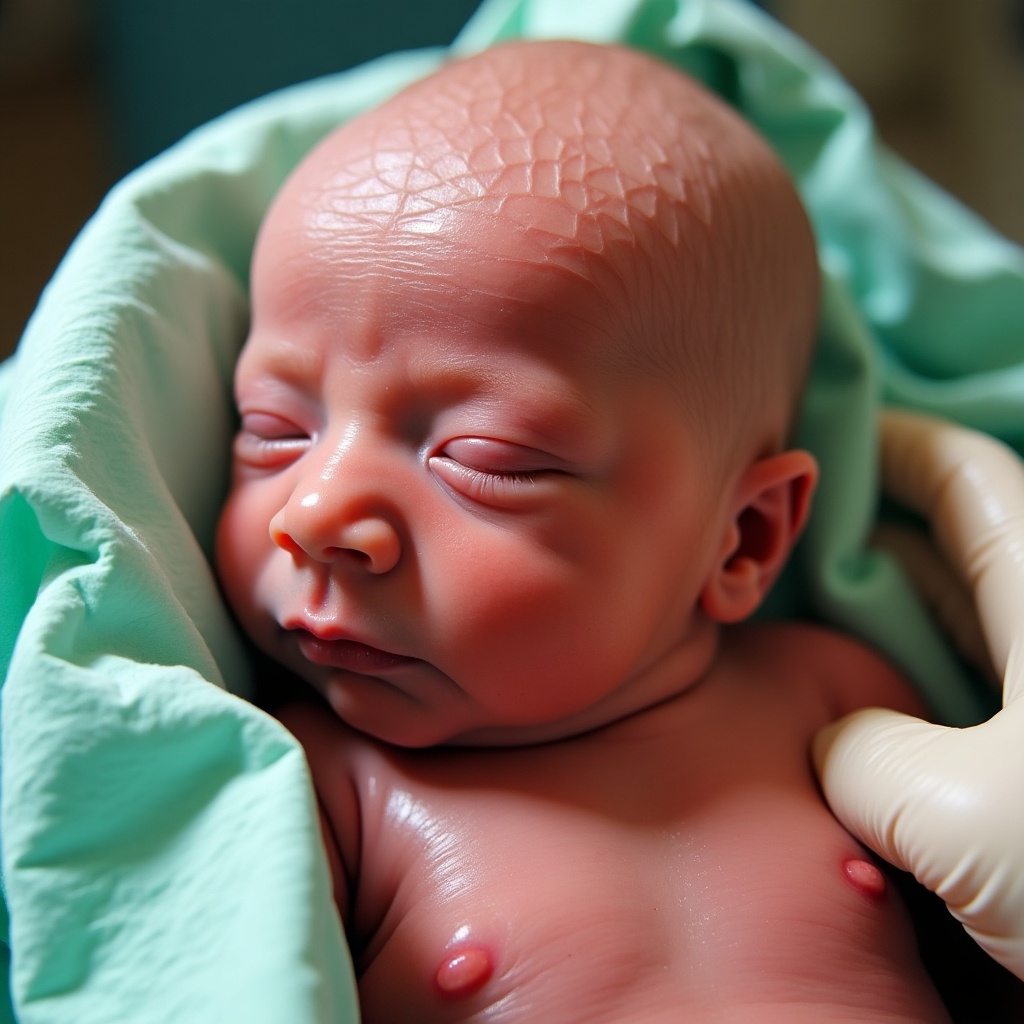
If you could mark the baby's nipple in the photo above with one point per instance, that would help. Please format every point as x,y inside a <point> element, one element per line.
<point>864,877</point>
<point>464,970</point>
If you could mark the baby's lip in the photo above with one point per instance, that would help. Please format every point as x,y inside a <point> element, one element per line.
<point>332,649</point>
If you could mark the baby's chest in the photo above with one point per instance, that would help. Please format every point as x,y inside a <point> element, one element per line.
<point>497,895</point>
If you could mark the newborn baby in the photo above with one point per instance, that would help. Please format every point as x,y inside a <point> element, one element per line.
<point>527,346</point>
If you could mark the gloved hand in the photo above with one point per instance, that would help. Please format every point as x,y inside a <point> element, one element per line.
<point>947,804</point>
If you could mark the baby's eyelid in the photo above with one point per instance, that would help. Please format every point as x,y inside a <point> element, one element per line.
<point>501,458</point>
<point>271,427</point>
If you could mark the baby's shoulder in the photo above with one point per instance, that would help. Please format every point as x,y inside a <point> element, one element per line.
<point>800,640</point>
<point>849,672</point>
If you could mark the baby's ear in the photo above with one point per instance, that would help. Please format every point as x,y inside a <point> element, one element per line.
<point>773,499</point>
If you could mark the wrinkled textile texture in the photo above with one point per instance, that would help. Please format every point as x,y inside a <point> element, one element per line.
<point>161,856</point>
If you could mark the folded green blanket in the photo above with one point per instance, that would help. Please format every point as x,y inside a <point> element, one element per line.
<point>161,855</point>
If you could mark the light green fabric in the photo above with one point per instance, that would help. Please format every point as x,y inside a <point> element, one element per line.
<point>160,849</point>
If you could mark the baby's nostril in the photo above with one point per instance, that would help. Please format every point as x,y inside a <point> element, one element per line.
<point>374,542</point>
<point>359,558</point>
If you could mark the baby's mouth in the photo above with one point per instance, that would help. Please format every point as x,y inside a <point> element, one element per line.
<point>349,655</point>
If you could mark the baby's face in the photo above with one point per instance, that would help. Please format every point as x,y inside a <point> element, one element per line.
<point>459,509</point>
<point>464,508</point>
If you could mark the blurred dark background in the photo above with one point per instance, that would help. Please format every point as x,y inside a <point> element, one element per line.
<point>91,88</point>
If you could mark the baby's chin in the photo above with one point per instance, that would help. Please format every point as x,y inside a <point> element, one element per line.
<point>392,715</point>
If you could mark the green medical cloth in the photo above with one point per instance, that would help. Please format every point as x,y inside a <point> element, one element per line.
<point>161,854</point>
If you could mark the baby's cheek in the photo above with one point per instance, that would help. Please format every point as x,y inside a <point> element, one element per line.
<point>229,548</point>
<point>241,551</point>
<point>504,618</point>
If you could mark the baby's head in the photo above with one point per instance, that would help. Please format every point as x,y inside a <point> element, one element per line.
<point>527,343</point>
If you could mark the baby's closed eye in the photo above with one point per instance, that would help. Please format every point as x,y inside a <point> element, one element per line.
<point>495,472</point>
<point>268,441</point>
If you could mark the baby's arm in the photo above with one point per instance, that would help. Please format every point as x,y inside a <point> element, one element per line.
<point>327,746</point>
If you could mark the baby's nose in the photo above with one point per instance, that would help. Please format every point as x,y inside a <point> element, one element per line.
<point>315,527</point>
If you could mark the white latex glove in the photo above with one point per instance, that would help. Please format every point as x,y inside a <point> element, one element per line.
<point>947,804</point>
